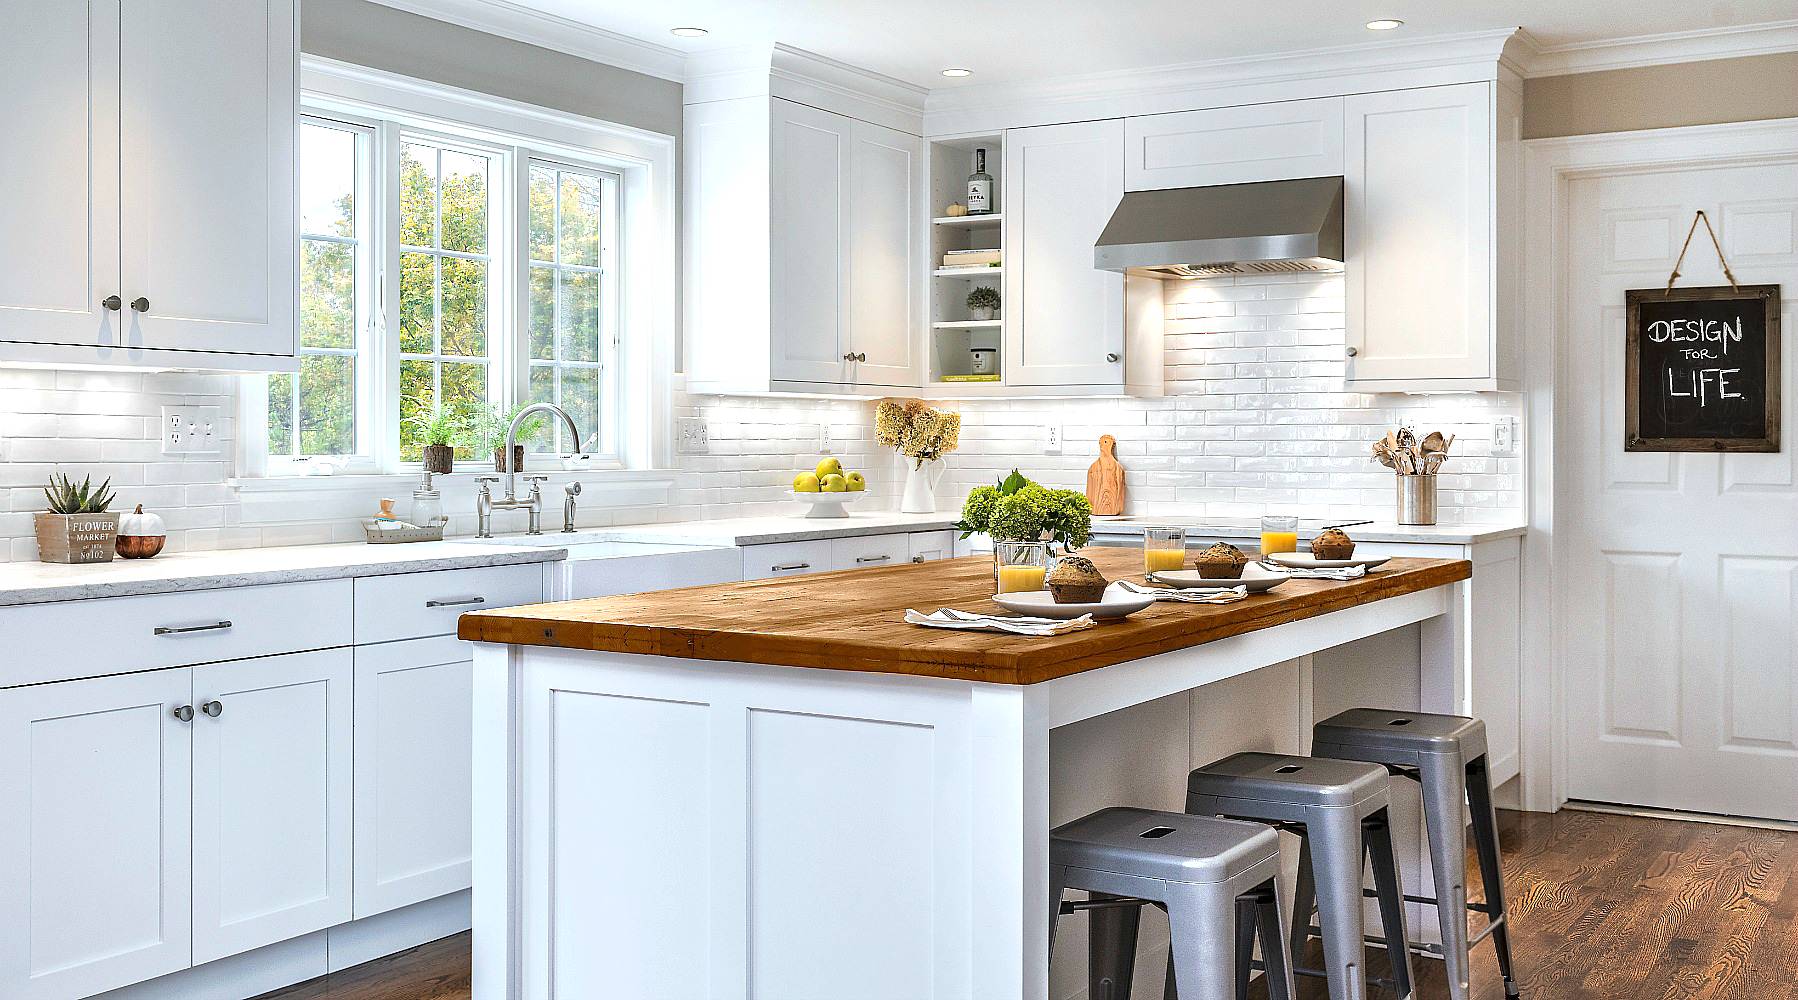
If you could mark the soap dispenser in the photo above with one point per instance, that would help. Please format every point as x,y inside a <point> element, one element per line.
<point>427,505</point>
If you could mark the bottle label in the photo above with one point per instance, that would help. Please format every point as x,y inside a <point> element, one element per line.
<point>980,197</point>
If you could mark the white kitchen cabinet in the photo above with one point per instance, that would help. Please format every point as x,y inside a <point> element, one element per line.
<point>804,262</point>
<point>1240,145</point>
<point>929,546</point>
<point>1420,226</point>
<point>160,186</point>
<point>414,733</point>
<point>272,745</point>
<point>95,837</point>
<point>870,551</point>
<point>761,562</point>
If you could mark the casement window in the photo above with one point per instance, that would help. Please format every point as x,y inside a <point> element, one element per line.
<point>460,270</point>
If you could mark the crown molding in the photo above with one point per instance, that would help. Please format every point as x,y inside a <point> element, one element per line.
<point>806,78</point>
<point>534,27</point>
<point>1663,49</point>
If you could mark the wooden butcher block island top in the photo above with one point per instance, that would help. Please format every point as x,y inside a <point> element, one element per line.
<point>853,620</point>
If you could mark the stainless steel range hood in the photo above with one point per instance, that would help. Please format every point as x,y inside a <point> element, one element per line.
<point>1269,227</point>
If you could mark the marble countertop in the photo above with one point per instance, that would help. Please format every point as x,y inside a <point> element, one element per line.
<point>1246,527</point>
<point>37,583</point>
<point>768,530</point>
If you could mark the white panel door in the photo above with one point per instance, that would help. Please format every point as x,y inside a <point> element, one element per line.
<point>1064,319</point>
<point>271,799</point>
<point>885,298</point>
<point>208,217</point>
<point>94,862</point>
<point>1258,142</point>
<point>1417,228</point>
<point>1681,569</point>
<point>59,185</point>
<point>414,772</point>
<point>808,177</point>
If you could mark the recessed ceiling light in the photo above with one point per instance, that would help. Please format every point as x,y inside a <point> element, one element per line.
<point>1385,24</point>
<point>689,32</point>
<point>957,71</point>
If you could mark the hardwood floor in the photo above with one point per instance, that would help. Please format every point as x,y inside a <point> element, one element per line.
<point>1605,908</point>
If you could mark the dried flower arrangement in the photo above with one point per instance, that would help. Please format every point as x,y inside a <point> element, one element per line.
<point>916,430</point>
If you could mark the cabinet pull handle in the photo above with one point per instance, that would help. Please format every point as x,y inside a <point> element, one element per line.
<point>457,602</point>
<point>1112,357</point>
<point>140,304</point>
<point>1353,351</point>
<point>213,708</point>
<point>871,559</point>
<point>784,567</point>
<point>862,356</point>
<point>112,302</point>
<point>189,629</point>
<point>185,713</point>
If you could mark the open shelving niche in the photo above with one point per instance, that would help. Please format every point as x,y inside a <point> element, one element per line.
<point>953,331</point>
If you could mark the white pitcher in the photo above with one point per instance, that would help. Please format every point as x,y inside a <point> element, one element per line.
<point>921,479</point>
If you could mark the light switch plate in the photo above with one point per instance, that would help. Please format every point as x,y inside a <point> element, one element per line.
<point>1504,437</point>
<point>190,430</point>
<point>691,437</point>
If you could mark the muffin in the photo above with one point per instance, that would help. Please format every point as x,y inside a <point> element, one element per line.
<point>1075,580</point>
<point>1222,561</point>
<point>1333,543</point>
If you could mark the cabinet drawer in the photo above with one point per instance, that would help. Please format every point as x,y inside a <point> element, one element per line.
<point>869,551</point>
<point>785,559</point>
<point>927,546</point>
<point>415,605</point>
<point>117,635</point>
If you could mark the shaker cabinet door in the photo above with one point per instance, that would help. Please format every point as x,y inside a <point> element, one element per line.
<point>885,299</point>
<point>94,836</point>
<point>808,253</point>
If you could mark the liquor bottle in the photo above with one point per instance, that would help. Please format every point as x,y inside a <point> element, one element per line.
<point>980,187</point>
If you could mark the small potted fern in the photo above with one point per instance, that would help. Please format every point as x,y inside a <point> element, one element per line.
<point>77,527</point>
<point>440,431</point>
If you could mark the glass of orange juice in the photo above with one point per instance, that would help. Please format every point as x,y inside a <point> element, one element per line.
<point>1020,566</point>
<point>1163,549</point>
<point>1279,534</point>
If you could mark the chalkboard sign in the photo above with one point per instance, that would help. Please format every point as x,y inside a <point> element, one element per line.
<point>1702,371</point>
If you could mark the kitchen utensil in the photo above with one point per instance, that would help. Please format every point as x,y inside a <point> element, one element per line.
<point>1193,595</point>
<point>1105,479</point>
<point>1417,499</point>
<point>1346,524</point>
<point>969,622</point>
<point>1305,560</point>
<point>1113,604</point>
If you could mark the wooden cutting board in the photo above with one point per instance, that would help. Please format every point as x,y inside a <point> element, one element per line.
<point>1105,479</point>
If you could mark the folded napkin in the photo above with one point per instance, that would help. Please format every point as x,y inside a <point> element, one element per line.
<point>1188,595</point>
<point>1345,573</point>
<point>951,618</point>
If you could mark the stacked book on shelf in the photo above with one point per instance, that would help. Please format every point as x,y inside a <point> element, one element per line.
<point>971,258</point>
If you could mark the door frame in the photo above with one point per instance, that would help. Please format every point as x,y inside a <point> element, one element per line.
<point>1550,166</point>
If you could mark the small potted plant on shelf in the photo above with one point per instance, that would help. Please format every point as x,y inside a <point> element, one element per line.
<point>440,431</point>
<point>488,431</point>
<point>77,527</point>
<point>983,302</point>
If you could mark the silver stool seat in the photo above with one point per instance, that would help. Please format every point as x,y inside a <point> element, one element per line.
<point>1446,756</point>
<point>1218,880</point>
<point>1339,810</point>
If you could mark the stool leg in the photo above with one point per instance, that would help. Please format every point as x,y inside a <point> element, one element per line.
<point>1111,949</point>
<point>1274,959</point>
<point>1304,901</point>
<point>1335,843</point>
<point>1203,941</point>
<point>1058,882</point>
<point>1248,907</point>
<point>1444,780</point>
<point>1389,884</point>
<point>1485,841</point>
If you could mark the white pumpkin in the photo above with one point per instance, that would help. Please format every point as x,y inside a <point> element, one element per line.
<point>138,524</point>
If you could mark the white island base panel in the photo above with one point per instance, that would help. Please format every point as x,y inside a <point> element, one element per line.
<point>670,829</point>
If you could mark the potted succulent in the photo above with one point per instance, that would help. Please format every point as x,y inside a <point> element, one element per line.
<point>983,302</point>
<point>488,431</point>
<point>439,431</point>
<point>77,527</point>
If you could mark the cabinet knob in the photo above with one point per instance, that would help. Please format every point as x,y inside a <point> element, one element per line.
<point>140,304</point>
<point>185,713</point>
<point>112,302</point>
<point>1353,351</point>
<point>1113,357</point>
<point>213,708</point>
<point>856,357</point>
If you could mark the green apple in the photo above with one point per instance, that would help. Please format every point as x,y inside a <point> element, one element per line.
<point>856,482</point>
<point>834,483</point>
<point>805,482</point>
<point>830,467</point>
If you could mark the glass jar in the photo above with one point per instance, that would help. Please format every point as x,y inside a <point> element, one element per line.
<point>427,506</point>
<point>1019,566</point>
<point>1163,550</point>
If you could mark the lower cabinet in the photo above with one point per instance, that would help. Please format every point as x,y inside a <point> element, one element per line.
<point>414,756</point>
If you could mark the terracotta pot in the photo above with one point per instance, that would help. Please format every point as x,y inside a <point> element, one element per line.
<point>76,538</point>
<point>499,458</point>
<point>440,459</point>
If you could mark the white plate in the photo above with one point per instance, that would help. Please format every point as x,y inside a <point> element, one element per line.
<point>1305,560</point>
<point>1114,603</point>
<point>827,504</point>
<point>1254,577</point>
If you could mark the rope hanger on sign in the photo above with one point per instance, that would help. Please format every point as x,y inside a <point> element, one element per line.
<point>1727,273</point>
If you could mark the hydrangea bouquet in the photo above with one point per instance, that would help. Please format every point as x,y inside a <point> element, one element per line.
<point>915,430</point>
<point>1016,509</point>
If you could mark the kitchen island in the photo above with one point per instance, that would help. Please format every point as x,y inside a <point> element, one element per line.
<point>778,789</point>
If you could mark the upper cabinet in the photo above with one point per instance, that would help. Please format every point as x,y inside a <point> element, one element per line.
<point>154,217</point>
<point>804,256</point>
<point>1258,142</point>
<point>1427,173</point>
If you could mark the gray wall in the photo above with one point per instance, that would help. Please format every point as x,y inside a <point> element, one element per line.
<point>368,34</point>
<point>1710,92</point>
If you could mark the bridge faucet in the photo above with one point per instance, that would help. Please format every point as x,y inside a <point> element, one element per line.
<point>486,504</point>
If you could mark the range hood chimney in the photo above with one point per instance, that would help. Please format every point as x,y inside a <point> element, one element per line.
<point>1269,227</point>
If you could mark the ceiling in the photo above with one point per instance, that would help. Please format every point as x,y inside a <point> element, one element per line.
<point>1007,41</point>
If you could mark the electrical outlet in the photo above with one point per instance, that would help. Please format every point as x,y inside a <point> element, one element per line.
<point>190,430</point>
<point>1504,437</point>
<point>1052,439</point>
<point>824,441</point>
<point>690,437</point>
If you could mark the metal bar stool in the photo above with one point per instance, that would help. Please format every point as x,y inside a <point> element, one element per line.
<point>1339,809</point>
<point>1218,880</point>
<point>1446,756</point>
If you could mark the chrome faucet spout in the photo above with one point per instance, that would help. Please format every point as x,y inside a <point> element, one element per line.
<point>512,440</point>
